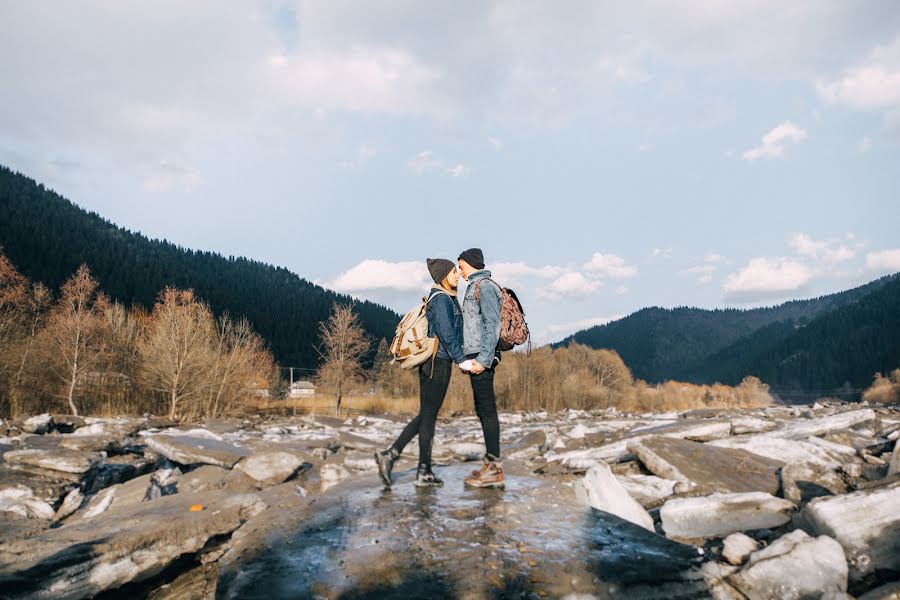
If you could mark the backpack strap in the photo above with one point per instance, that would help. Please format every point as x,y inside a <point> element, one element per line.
<point>478,288</point>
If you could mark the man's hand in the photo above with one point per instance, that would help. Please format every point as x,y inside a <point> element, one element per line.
<point>477,368</point>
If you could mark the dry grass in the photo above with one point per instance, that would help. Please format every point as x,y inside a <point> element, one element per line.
<point>884,390</point>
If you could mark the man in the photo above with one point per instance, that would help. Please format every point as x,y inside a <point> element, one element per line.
<point>481,332</point>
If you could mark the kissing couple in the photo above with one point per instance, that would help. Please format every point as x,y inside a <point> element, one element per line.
<point>467,337</point>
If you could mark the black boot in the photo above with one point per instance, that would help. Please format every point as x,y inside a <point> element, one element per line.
<point>425,478</point>
<point>385,461</point>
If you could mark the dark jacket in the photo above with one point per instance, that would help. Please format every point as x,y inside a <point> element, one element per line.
<point>446,322</point>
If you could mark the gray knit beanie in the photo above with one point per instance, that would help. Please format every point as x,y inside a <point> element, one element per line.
<point>439,268</point>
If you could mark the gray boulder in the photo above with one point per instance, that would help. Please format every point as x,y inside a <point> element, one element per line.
<point>724,470</point>
<point>718,515</point>
<point>795,566</point>
<point>189,450</point>
<point>61,459</point>
<point>738,548</point>
<point>865,522</point>
<point>803,481</point>
<point>270,468</point>
<point>84,558</point>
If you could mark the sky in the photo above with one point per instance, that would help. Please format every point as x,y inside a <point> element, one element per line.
<point>606,156</point>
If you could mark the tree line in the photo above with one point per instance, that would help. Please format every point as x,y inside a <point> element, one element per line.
<point>83,353</point>
<point>47,237</point>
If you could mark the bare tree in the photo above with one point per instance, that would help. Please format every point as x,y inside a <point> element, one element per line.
<point>35,314</point>
<point>175,354</point>
<point>73,331</point>
<point>343,344</point>
<point>240,359</point>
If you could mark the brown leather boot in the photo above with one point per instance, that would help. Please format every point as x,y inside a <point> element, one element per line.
<point>490,475</point>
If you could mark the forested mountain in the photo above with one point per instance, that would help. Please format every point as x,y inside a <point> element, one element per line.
<point>842,347</point>
<point>773,343</point>
<point>47,237</point>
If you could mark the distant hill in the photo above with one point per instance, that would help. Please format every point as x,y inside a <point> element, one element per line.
<point>47,237</point>
<point>774,343</point>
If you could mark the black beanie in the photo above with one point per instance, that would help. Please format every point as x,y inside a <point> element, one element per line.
<point>439,268</point>
<point>473,256</point>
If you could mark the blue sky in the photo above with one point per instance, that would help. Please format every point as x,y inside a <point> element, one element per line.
<point>606,157</point>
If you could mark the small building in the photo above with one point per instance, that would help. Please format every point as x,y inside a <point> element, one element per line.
<point>302,389</point>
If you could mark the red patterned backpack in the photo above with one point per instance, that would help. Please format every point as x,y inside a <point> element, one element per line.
<point>513,328</point>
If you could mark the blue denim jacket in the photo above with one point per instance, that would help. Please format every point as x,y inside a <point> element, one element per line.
<point>481,321</point>
<point>445,321</point>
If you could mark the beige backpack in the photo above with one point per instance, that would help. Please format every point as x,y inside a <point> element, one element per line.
<point>411,345</point>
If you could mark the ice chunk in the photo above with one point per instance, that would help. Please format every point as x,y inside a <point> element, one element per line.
<point>600,489</point>
<point>718,515</point>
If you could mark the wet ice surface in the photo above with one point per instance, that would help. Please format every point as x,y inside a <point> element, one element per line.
<point>406,542</point>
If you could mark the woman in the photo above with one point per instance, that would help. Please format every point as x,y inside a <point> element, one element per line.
<point>444,321</point>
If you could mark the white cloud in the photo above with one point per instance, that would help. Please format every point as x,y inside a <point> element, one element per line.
<point>773,143</point>
<point>806,246</point>
<point>364,79</point>
<point>872,85</point>
<point>703,273</point>
<point>884,261</point>
<point>826,252</point>
<point>713,257</point>
<point>497,144</point>
<point>766,277</point>
<point>458,171</point>
<point>426,161</point>
<point>661,253</point>
<point>570,285</point>
<point>559,331</point>
<point>516,275</point>
<point>374,274</point>
<point>621,290</point>
<point>609,265</point>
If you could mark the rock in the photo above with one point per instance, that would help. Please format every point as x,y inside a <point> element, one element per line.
<point>465,451</point>
<point>67,423</point>
<point>39,424</point>
<point>84,558</point>
<point>48,486</point>
<point>20,500</point>
<point>888,591</point>
<point>353,441</point>
<point>332,475</point>
<point>712,469</point>
<point>894,466</point>
<point>617,451</point>
<point>600,489</point>
<point>270,468</point>
<point>93,443</point>
<point>738,547</point>
<point>99,503</point>
<point>69,505</point>
<point>718,515</point>
<point>798,430</point>
<point>211,477</point>
<point>63,460</point>
<point>526,446</point>
<point>743,425</point>
<point>795,566</point>
<point>826,454</point>
<point>866,523</point>
<point>650,491</point>
<point>196,584</point>
<point>802,482</point>
<point>189,450</point>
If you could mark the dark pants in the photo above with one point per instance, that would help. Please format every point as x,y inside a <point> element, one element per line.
<point>432,389</point>
<point>486,409</point>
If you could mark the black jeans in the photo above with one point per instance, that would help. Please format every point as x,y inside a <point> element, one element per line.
<point>486,409</point>
<point>432,389</point>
